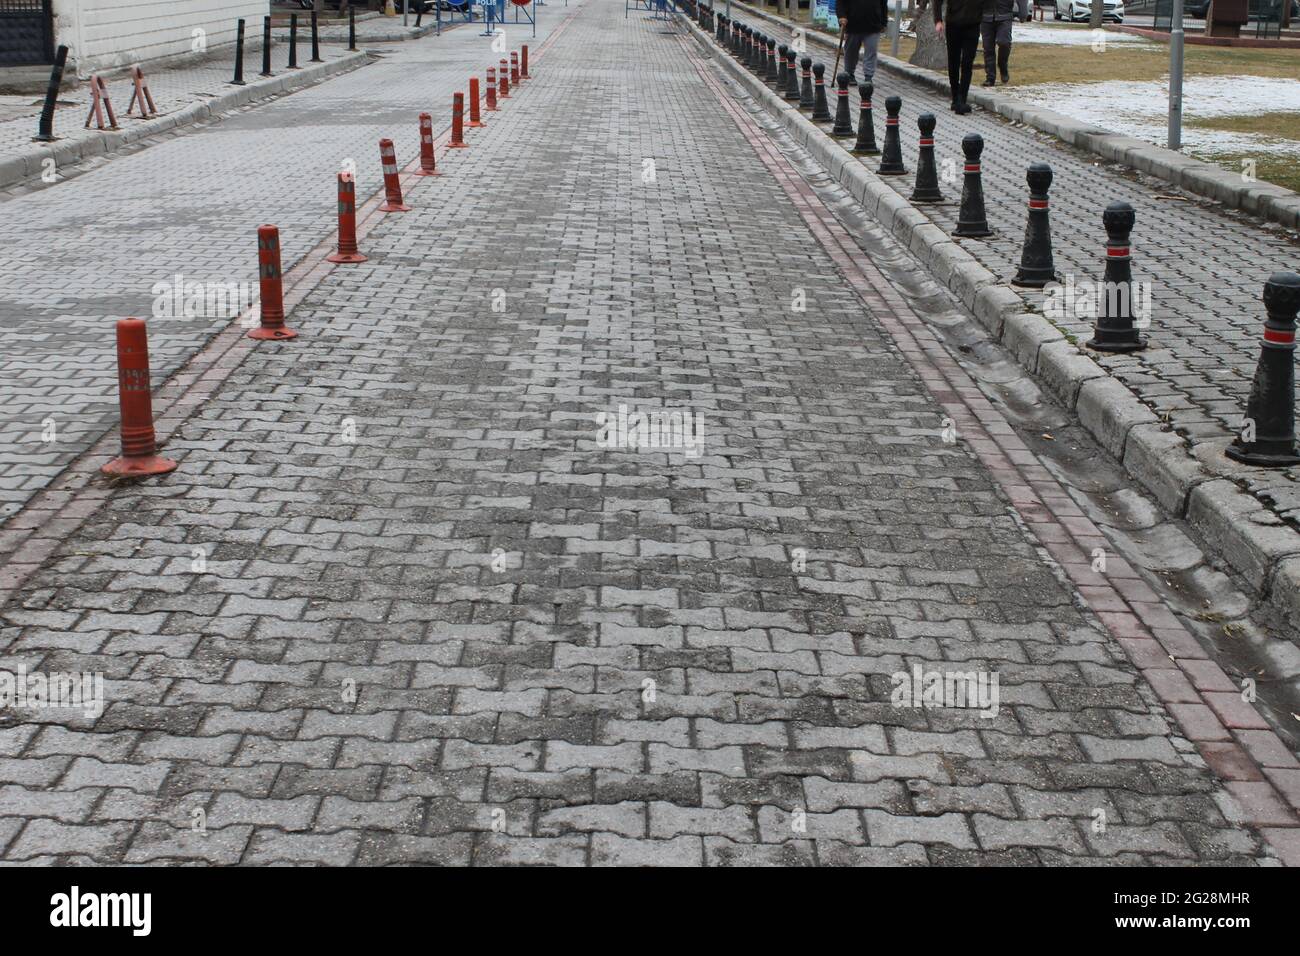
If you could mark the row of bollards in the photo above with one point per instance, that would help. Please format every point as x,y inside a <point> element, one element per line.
<point>1267,437</point>
<point>293,45</point>
<point>140,456</point>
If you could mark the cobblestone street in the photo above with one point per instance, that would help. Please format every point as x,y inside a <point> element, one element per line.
<point>623,508</point>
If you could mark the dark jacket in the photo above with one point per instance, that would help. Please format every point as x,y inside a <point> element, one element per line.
<point>959,11</point>
<point>864,16</point>
<point>1007,10</point>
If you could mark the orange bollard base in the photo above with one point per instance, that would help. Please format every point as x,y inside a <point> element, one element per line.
<point>262,332</point>
<point>139,467</point>
<point>394,207</point>
<point>458,145</point>
<point>346,257</point>
<point>475,124</point>
<point>427,172</point>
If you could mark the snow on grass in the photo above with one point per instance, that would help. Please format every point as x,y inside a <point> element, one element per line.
<point>1062,35</point>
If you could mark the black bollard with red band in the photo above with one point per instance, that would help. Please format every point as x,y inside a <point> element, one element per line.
<point>781,52</point>
<point>843,119</point>
<point>1115,329</point>
<point>1036,266</point>
<point>791,77</point>
<point>806,97</point>
<point>773,69</point>
<point>972,221</point>
<point>866,144</point>
<point>891,160</point>
<point>926,189</point>
<point>1267,436</point>
<point>821,108</point>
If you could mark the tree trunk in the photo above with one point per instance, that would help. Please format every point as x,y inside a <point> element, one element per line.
<point>931,50</point>
<point>1098,9</point>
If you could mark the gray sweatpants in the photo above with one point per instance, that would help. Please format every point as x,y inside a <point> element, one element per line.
<point>996,34</point>
<point>870,43</point>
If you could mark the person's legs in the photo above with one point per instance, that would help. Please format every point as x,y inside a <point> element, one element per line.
<point>1004,51</point>
<point>871,52</point>
<point>852,43</point>
<point>988,33</point>
<point>952,37</point>
<point>969,47</point>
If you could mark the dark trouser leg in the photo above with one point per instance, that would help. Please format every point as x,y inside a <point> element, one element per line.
<point>988,34</point>
<point>952,36</point>
<point>970,41</point>
<point>852,46</point>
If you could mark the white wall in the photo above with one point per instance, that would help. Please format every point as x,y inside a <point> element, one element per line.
<point>104,34</point>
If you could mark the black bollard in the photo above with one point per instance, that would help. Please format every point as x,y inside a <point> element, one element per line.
<point>760,55</point>
<point>266,47</point>
<point>239,56</point>
<point>773,71</point>
<point>315,39</point>
<point>821,109</point>
<point>45,129</point>
<point>1267,437</point>
<point>843,121</point>
<point>866,144</point>
<point>806,98</point>
<point>352,27</point>
<point>293,41</point>
<point>781,53</point>
<point>972,222</point>
<point>927,170</point>
<point>791,78</point>
<point>891,161</point>
<point>1115,331</point>
<point>721,30</point>
<point>1036,266</point>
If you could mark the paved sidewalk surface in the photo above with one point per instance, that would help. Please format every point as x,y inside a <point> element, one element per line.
<point>1206,268</point>
<point>437,622</point>
<point>94,248</point>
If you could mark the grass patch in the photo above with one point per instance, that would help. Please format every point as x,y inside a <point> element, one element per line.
<point>1270,166</point>
<point>1048,63</point>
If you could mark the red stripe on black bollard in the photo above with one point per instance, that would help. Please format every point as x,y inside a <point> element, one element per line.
<point>927,170</point>
<point>523,63</point>
<point>474,120</point>
<point>1037,268</point>
<point>503,81</point>
<point>791,77</point>
<point>491,95</point>
<point>773,68</point>
<point>1114,330</point>
<point>805,86</point>
<point>781,54</point>
<point>347,251</point>
<point>1267,437</point>
<point>272,287</point>
<point>457,122</point>
<point>139,444</point>
<point>972,222</point>
<point>428,165</point>
<point>392,183</point>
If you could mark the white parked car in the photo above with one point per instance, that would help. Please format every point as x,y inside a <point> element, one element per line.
<point>1082,10</point>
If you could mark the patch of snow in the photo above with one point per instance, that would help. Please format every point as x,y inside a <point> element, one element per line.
<point>1061,35</point>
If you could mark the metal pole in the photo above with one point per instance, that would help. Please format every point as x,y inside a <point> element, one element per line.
<point>403,12</point>
<point>315,39</point>
<point>1176,77</point>
<point>266,47</point>
<point>239,56</point>
<point>45,132</point>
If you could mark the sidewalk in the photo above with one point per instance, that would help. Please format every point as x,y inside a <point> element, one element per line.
<point>96,247</point>
<point>442,618</point>
<point>1206,269</point>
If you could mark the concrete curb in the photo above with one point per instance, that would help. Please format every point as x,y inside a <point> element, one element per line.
<point>28,163</point>
<point>1274,203</point>
<point>1201,487</point>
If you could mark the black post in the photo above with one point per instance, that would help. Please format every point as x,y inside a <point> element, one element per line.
<point>293,41</point>
<point>1115,330</point>
<point>266,46</point>
<point>821,107</point>
<point>1267,436</point>
<point>806,97</point>
<point>891,160</point>
<point>1037,267</point>
<point>352,28</point>
<point>315,39</point>
<point>843,121</point>
<point>972,222</point>
<point>45,132</point>
<point>773,69</point>
<point>927,169</point>
<point>866,144</point>
<point>239,56</point>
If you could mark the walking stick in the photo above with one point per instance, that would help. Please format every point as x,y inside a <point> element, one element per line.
<point>838,50</point>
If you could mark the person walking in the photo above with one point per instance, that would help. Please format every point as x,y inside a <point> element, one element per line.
<point>995,29</point>
<point>961,31</point>
<point>862,22</point>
